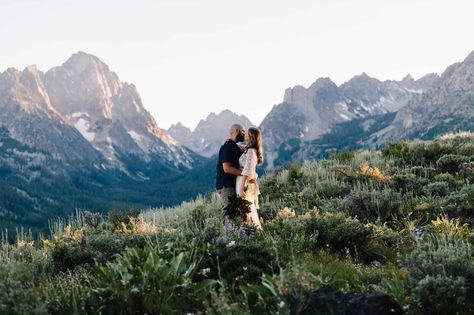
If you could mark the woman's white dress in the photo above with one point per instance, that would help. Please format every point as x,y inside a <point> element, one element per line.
<point>248,165</point>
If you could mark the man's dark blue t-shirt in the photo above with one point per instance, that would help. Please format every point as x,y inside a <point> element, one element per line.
<point>230,153</point>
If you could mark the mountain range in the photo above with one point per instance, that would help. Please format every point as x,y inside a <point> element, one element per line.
<point>78,137</point>
<point>210,133</point>
<point>445,105</point>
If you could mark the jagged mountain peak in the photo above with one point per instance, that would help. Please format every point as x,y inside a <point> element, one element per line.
<point>110,114</point>
<point>208,135</point>
<point>469,58</point>
<point>323,83</point>
<point>83,59</point>
<point>362,78</point>
<point>408,78</point>
<point>179,125</point>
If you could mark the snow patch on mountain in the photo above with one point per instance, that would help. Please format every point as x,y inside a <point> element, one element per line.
<point>82,126</point>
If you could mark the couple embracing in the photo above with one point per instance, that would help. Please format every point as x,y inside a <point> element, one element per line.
<point>236,169</point>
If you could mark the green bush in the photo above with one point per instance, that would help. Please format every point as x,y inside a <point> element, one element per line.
<point>287,229</point>
<point>19,295</point>
<point>67,253</point>
<point>408,183</point>
<point>440,295</point>
<point>466,171</point>
<point>142,281</point>
<point>240,262</point>
<point>344,156</point>
<point>331,189</point>
<point>460,204</point>
<point>339,233</point>
<point>435,265</point>
<point>437,189</point>
<point>295,173</point>
<point>373,205</point>
<point>451,163</point>
<point>70,254</point>
<point>117,217</point>
<point>428,153</point>
<point>423,171</point>
<point>448,178</point>
<point>105,246</point>
<point>398,150</point>
<point>68,293</point>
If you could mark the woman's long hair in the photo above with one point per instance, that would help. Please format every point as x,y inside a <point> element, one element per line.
<point>255,142</point>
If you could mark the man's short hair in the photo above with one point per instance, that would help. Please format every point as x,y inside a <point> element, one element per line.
<point>235,127</point>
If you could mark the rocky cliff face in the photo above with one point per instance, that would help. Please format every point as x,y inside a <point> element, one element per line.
<point>428,107</point>
<point>110,114</point>
<point>448,105</point>
<point>210,133</point>
<point>26,112</point>
<point>307,113</point>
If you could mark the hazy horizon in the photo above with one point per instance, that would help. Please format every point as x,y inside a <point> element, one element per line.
<point>190,58</point>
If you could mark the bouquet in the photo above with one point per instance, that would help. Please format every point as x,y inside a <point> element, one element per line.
<point>237,208</point>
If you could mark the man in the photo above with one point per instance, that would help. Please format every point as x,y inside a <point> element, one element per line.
<point>228,164</point>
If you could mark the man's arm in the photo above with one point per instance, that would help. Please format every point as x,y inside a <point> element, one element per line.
<point>230,169</point>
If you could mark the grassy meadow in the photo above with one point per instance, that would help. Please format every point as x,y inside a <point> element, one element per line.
<point>397,221</point>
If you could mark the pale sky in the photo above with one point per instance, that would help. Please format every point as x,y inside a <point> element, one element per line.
<point>192,57</point>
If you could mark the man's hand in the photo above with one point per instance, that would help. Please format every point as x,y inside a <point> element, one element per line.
<point>230,169</point>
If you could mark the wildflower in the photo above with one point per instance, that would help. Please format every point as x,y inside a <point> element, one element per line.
<point>286,213</point>
<point>78,235</point>
<point>281,304</point>
<point>372,172</point>
<point>67,230</point>
<point>232,243</point>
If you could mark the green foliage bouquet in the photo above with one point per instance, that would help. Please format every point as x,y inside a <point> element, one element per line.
<point>237,208</point>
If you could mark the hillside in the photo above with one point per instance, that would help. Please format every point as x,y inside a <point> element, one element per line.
<point>375,232</point>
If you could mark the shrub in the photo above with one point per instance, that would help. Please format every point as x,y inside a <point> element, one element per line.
<point>142,281</point>
<point>68,293</point>
<point>68,253</point>
<point>344,156</point>
<point>405,183</point>
<point>446,177</point>
<point>93,220</point>
<point>428,153</point>
<point>331,189</point>
<point>398,150</point>
<point>450,227</point>
<point>440,264</point>
<point>440,294</point>
<point>116,217</point>
<point>242,261</point>
<point>466,171</point>
<point>18,286</point>
<point>373,205</point>
<point>294,173</point>
<point>339,233</point>
<point>423,171</point>
<point>437,189</point>
<point>451,163</point>
<point>460,204</point>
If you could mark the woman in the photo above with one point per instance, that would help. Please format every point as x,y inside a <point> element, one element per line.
<point>252,156</point>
